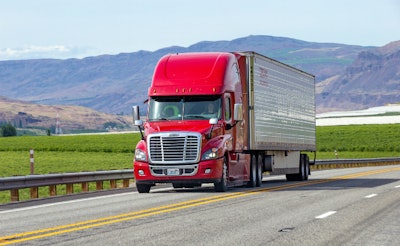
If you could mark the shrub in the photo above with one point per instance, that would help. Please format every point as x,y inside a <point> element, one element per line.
<point>8,130</point>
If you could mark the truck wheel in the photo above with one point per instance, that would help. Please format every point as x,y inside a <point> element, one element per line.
<point>177,185</point>
<point>303,171</point>
<point>222,185</point>
<point>259,171</point>
<point>143,188</point>
<point>253,172</point>
<point>306,167</point>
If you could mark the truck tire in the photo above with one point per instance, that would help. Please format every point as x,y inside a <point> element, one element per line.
<point>177,185</point>
<point>253,172</point>
<point>259,171</point>
<point>143,188</point>
<point>304,169</point>
<point>222,185</point>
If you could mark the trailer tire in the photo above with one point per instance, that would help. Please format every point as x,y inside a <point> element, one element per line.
<point>222,185</point>
<point>302,174</point>
<point>143,188</point>
<point>259,171</point>
<point>306,167</point>
<point>253,172</point>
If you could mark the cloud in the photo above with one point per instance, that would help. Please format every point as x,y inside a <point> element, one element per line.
<point>39,52</point>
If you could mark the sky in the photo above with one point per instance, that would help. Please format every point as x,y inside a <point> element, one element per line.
<point>63,29</point>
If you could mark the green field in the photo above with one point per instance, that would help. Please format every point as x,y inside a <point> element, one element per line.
<point>361,141</point>
<point>60,154</point>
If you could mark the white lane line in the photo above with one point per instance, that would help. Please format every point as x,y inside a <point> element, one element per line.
<point>370,196</point>
<point>323,216</point>
<point>397,186</point>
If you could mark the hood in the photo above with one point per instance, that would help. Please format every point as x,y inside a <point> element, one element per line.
<point>200,126</point>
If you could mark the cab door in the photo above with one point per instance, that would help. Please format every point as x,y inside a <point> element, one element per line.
<point>236,160</point>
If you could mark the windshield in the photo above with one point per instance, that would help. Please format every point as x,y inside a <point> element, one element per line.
<point>184,108</point>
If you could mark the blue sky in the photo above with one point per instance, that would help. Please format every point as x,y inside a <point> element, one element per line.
<point>79,28</point>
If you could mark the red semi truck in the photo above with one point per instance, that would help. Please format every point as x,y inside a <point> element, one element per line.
<point>224,118</point>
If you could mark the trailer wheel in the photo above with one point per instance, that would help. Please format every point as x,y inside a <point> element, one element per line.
<point>303,170</point>
<point>259,171</point>
<point>143,188</point>
<point>306,167</point>
<point>222,185</point>
<point>253,172</point>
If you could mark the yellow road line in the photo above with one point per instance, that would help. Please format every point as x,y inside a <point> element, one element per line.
<point>48,232</point>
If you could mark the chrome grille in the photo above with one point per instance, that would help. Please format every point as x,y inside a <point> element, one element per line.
<point>174,147</point>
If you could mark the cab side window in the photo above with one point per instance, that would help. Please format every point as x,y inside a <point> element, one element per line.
<point>227,109</point>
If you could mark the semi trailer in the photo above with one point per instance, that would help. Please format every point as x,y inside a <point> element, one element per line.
<point>224,118</point>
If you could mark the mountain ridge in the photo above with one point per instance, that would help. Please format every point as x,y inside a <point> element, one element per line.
<point>113,83</point>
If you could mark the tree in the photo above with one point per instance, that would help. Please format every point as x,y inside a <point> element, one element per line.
<point>8,130</point>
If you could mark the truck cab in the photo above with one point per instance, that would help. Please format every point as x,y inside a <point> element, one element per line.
<point>190,130</point>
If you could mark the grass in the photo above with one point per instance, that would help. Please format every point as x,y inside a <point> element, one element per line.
<point>56,154</point>
<point>365,140</point>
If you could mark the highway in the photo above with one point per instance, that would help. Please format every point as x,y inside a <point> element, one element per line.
<point>351,206</point>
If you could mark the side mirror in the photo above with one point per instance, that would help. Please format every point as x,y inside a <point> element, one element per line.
<point>138,123</point>
<point>135,114</point>
<point>136,119</point>
<point>238,112</point>
<point>213,121</point>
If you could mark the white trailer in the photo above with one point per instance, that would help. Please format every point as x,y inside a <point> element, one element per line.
<point>280,120</point>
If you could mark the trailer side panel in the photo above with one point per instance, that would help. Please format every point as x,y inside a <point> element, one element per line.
<point>281,106</point>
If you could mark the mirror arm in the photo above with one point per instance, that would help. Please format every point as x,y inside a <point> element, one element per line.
<point>141,132</point>
<point>210,133</point>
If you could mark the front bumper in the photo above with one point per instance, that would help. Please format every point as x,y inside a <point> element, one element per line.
<point>209,171</point>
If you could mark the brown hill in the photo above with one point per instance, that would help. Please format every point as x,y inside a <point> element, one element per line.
<point>23,114</point>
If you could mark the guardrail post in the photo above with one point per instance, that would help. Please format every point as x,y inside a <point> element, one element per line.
<point>34,192</point>
<point>113,184</point>
<point>53,190</point>
<point>14,195</point>
<point>99,185</point>
<point>125,183</point>
<point>32,162</point>
<point>69,188</point>
<point>85,186</point>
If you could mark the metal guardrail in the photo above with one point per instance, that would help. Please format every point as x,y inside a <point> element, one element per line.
<point>14,184</point>
<point>345,163</point>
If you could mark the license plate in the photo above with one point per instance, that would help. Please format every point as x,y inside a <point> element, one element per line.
<point>174,171</point>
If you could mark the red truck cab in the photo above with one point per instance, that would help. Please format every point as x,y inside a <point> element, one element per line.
<point>191,134</point>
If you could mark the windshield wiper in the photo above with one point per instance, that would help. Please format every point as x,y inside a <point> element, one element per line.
<point>195,117</point>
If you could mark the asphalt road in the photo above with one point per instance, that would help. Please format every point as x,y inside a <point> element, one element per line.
<point>354,206</point>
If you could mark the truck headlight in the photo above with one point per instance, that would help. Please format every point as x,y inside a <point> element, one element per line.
<point>210,154</point>
<point>140,155</point>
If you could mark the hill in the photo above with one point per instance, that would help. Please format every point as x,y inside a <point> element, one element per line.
<point>22,114</point>
<point>373,79</point>
<point>113,83</point>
